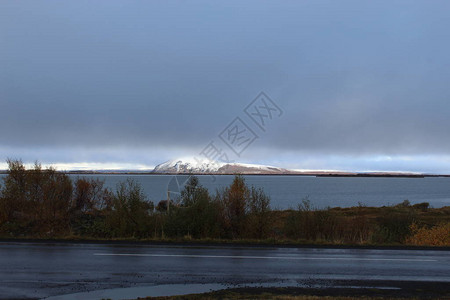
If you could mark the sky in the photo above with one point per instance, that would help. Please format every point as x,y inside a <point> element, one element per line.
<point>359,85</point>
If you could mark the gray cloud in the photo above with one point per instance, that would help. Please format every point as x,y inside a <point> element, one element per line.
<point>354,79</point>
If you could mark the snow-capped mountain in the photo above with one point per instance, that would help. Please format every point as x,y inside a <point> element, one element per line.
<point>198,166</point>
<point>188,165</point>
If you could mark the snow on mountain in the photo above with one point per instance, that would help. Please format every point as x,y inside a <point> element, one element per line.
<point>199,166</point>
<point>188,165</point>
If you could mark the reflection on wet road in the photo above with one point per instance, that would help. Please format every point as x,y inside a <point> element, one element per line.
<point>42,270</point>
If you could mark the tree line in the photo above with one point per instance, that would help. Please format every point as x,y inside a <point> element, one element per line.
<point>41,202</point>
<point>44,203</point>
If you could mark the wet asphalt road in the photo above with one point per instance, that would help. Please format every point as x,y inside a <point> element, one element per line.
<point>38,270</point>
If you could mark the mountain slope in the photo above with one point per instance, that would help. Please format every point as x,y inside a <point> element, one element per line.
<point>194,166</point>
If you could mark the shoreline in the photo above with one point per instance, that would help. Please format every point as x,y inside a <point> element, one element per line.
<point>264,174</point>
<point>300,174</point>
<point>218,243</point>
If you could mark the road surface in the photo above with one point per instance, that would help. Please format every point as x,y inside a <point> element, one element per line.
<point>39,270</point>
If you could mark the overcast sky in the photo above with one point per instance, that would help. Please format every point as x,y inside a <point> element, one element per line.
<point>362,85</point>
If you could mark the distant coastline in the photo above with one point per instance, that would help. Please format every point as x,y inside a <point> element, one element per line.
<point>193,166</point>
<point>315,174</point>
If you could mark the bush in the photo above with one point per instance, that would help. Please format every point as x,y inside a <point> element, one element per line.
<point>35,201</point>
<point>259,217</point>
<point>308,223</point>
<point>90,196</point>
<point>422,206</point>
<point>393,226</point>
<point>197,216</point>
<point>130,212</point>
<point>438,235</point>
<point>90,203</point>
<point>404,204</point>
<point>233,202</point>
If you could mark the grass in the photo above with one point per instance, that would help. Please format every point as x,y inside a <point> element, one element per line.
<point>406,290</point>
<point>428,219</point>
<point>231,295</point>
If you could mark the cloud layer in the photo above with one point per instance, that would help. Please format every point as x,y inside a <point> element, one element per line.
<point>363,85</point>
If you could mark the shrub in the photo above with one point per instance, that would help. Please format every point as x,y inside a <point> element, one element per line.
<point>90,196</point>
<point>233,201</point>
<point>259,216</point>
<point>393,226</point>
<point>35,201</point>
<point>130,212</point>
<point>405,203</point>
<point>422,206</point>
<point>311,224</point>
<point>197,216</point>
<point>438,235</point>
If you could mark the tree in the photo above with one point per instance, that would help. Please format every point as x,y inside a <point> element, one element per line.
<point>259,214</point>
<point>90,196</point>
<point>13,192</point>
<point>90,202</point>
<point>190,191</point>
<point>36,201</point>
<point>198,214</point>
<point>130,211</point>
<point>234,201</point>
<point>203,216</point>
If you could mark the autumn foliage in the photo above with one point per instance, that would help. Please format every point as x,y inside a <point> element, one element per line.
<point>438,235</point>
<point>43,203</point>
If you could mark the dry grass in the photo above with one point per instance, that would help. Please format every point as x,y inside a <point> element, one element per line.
<point>234,296</point>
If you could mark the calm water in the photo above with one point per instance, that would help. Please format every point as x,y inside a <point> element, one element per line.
<point>288,191</point>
